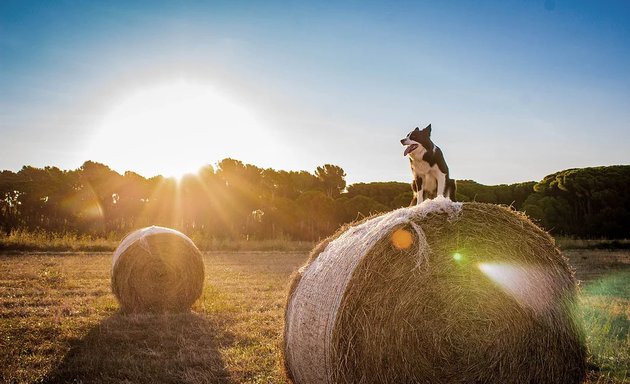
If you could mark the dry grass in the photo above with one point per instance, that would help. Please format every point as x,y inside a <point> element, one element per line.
<point>59,323</point>
<point>41,241</point>
<point>22,240</point>
<point>571,243</point>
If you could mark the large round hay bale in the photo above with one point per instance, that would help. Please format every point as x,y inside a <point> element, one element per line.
<point>438,293</point>
<point>157,269</point>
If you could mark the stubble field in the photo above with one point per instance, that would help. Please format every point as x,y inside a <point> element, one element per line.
<point>59,321</point>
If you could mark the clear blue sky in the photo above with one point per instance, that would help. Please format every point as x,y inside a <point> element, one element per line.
<point>514,89</point>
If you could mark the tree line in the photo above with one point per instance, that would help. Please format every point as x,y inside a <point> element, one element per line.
<point>234,200</point>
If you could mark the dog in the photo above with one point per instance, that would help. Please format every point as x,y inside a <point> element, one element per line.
<point>429,169</point>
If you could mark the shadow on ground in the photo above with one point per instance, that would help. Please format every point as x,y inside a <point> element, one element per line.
<point>172,348</point>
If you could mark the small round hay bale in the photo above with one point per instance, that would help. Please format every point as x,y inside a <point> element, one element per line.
<point>157,269</point>
<point>438,293</point>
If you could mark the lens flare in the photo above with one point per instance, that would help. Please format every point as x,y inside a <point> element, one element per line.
<point>530,286</point>
<point>402,239</point>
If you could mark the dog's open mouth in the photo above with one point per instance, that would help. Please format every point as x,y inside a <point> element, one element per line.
<point>410,148</point>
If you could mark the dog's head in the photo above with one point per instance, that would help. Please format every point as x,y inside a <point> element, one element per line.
<point>417,139</point>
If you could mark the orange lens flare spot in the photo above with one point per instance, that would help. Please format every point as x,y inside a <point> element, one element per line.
<point>402,239</point>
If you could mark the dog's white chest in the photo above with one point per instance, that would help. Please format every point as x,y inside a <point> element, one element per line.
<point>420,167</point>
<point>428,173</point>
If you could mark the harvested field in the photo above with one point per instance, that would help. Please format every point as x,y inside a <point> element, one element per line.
<point>59,321</point>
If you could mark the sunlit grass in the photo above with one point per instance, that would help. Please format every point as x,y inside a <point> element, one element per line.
<point>41,241</point>
<point>59,323</point>
<point>21,240</point>
<point>606,318</point>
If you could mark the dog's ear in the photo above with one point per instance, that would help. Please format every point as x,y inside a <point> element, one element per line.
<point>428,128</point>
<point>417,129</point>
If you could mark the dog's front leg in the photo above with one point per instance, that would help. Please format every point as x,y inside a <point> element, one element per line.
<point>414,188</point>
<point>441,183</point>
<point>418,191</point>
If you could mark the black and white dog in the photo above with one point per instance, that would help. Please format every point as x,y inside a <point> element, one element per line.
<point>429,169</point>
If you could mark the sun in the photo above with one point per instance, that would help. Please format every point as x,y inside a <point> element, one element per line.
<point>173,129</point>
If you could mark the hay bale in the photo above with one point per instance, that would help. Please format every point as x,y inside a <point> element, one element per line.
<point>157,269</point>
<point>438,293</point>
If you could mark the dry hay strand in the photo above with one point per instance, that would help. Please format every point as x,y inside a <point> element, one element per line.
<point>438,293</point>
<point>157,270</point>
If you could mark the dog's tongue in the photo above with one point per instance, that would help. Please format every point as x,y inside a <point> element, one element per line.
<point>410,148</point>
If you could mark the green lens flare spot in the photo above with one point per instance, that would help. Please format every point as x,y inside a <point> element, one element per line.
<point>458,256</point>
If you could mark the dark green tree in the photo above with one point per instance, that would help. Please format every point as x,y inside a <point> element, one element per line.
<point>332,178</point>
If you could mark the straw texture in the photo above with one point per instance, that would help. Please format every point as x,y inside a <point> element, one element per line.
<point>438,293</point>
<point>157,269</point>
